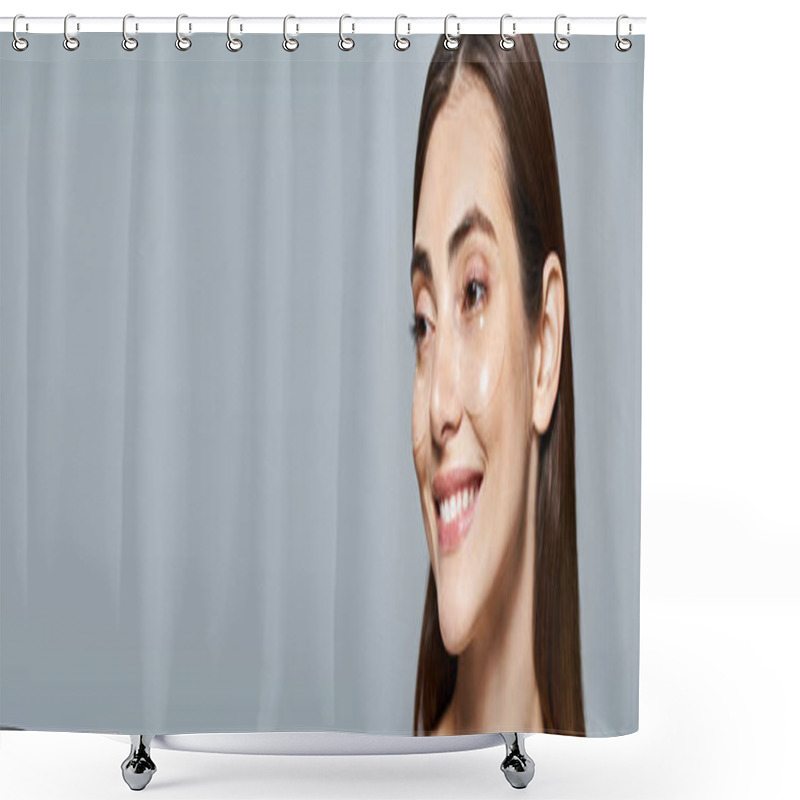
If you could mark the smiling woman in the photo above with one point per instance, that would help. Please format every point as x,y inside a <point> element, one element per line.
<point>492,415</point>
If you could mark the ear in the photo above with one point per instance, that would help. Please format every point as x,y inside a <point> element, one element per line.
<point>547,344</point>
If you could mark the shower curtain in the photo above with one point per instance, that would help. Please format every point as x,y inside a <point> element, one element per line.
<point>315,415</point>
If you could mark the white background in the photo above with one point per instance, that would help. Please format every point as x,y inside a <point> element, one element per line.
<point>720,606</point>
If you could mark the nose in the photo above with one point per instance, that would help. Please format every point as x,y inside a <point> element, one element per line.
<point>445,400</point>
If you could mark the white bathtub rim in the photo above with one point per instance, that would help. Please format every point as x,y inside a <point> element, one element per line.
<point>332,743</point>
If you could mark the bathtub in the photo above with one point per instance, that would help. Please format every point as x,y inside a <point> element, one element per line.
<point>138,768</point>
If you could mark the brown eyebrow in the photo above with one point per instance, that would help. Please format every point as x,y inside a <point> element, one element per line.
<point>474,219</point>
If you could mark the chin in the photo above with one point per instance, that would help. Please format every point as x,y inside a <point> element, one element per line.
<point>455,620</point>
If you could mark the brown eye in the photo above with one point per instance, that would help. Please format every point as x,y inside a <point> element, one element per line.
<point>419,328</point>
<point>474,293</point>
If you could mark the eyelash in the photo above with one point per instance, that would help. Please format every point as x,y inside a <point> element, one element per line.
<point>419,319</point>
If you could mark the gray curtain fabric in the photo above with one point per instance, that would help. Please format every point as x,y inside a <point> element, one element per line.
<point>209,509</point>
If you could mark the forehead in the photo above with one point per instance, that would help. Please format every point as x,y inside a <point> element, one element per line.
<point>464,163</point>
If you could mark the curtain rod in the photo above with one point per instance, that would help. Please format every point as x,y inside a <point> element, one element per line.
<point>407,26</point>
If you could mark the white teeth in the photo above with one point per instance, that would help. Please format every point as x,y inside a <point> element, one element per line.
<point>456,504</point>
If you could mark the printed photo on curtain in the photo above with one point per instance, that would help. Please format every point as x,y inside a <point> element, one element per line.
<point>321,385</point>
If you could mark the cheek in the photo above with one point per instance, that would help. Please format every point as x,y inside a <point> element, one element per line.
<point>481,359</point>
<point>421,450</point>
<point>420,412</point>
<point>492,376</point>
<point>421,447</point>
<point>420,422</point>
<point>504,434</point>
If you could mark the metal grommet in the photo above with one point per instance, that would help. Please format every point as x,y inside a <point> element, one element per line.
<point>70,42</point>
<point>560,43</point>
<point>451,42</point>
<point>345,42</point>
<point>400,42</point>
<point>623,45</point>
<point>506,42</point>
<point>233,44</point>
<point>181,42</point>
<point>290,44</point>
<point>128,42</point>
<point>17,42</point>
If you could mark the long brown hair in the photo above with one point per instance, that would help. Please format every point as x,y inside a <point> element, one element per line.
<point>516,82</point>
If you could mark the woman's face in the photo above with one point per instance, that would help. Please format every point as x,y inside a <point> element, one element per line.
<point>472,404</point>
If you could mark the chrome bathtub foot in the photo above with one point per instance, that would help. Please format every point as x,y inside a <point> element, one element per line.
<point>517,766</point>
<point>138,768</point>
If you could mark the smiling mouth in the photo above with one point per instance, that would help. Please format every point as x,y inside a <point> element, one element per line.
<point>455,496</point>
<point>452,507</point>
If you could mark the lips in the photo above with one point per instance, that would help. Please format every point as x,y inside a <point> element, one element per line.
<point>455,494</point>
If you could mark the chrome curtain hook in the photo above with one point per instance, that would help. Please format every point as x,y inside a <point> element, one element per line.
<point>623,44</point>
<point>345,42</point>
<point>560,42</point>
<point>506,42</point>
<point>181,42</point>
<point>233,44</point>
<point>451,42</point>
<point>290,44</point>
<point>70,42</point>
<point>400,42</point>
<point>17,42</point>
<point>128,42</point>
